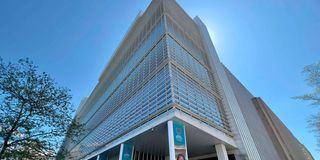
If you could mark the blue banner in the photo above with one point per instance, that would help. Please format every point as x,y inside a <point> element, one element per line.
<point>178,133</point>
<point>127,152</point>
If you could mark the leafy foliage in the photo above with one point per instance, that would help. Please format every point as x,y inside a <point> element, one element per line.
<point>313,79</point>
<point>35,114</point>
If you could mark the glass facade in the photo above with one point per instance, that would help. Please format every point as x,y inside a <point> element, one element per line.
<point>143,93</point>
<point>152,99</point>
<point>132,74</point>
<point>166,68</point>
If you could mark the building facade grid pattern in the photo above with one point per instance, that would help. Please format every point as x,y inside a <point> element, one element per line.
<point>143,88</point>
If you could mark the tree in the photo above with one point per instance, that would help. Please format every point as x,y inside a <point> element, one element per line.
<point>35,113</point>
<point>312,73</point>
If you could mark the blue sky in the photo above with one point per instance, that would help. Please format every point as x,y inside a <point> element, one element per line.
<point>264,43</point>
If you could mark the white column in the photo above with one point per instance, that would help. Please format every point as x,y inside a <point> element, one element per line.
<point>221,152</point>
<point>121,151</point>
<point>171,141</point>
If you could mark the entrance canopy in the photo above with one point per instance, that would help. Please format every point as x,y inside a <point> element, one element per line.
<point>151,142</point>
<point>155,141</point>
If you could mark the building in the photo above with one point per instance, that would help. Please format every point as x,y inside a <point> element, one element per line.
<point>165,93</point>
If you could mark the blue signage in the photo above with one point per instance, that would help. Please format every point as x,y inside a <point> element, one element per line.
<point>178,133</point>
<point>127,152</point>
